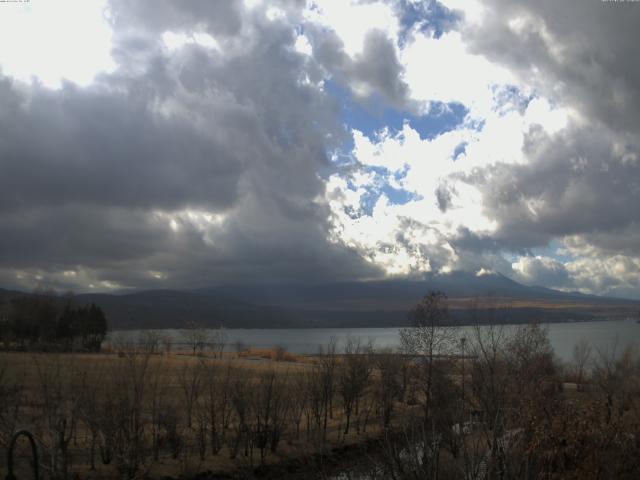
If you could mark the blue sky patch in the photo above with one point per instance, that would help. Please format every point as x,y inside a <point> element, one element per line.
<point>399,196</point>
<point>396,196</point>
<point>551,251</point>
<point>375,114</point>
<point>381,186</point>
<point>460,149</point>
<point>510,96</point>
<point>426,16</point>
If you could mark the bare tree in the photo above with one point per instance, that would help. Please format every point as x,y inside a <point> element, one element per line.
<point>614,379</point>
<point>91,409</point>
<point>326,383</point>
<point>149,342</point>
<point>11,395</point>
<point>299,398</point>
<point>190,379</point>
<point>530,358</point>
<point>219,340</point>
<point>157,403</point>
<point>353,376</point>
<point>269,407</point>
<point>167,344</point>
<point>195,337</point>
<point>126,428</point>
<point>581,356</point>
<point>490,383</point>
<point>388,386</point>
<point>60,391</point>
<point>240,397</point>
<point>218,403</point>
<point>317,402</point>
<point>431,337</point>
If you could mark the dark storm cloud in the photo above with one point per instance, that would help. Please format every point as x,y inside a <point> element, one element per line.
<point>117,184</point>
<point>580,50</point>
<point>61,237</point>
<point>575,182</point>
<point>624,240</point>
<point>379,66</point>
<point>376,71</point>
<point>466,240</point>
<point>217,17</point>
<point>103,147</point>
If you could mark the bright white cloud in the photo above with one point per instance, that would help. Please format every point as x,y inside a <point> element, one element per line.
<point>376,235</point>
<point>55,40</point>
<point>424,168</point>
<point>206,224</point>
<point>502,111</point>
<point>175,40</point>
<point>442,69</point>
<point>541,270</point>
<point>352,20</point>
<point>302,45</point>
<point>606,274</point>
<point>473,10</point>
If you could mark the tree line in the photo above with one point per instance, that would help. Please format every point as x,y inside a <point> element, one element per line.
<point>494,403</point>
<point>44,321</point>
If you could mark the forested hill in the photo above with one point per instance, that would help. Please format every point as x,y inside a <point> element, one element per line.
<point>347,304</point>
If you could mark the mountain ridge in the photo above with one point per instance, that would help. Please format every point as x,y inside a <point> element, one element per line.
<point>345,304</point>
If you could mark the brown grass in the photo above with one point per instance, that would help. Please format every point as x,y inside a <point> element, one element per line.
<point>26,370</point>
<point>273,354</point>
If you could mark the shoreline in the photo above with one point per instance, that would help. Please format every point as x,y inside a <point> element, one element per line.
<point>378,327</point>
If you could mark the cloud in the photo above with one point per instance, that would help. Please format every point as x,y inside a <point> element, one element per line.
<point>576,52</point>
<point>450,189</point>
<point>99,146</point>
<point>540,157</point>
<point>353,21</point>
<point>207,144</point>
<point>374,72</point>
<point>575,182</point>
<point>185,166</point>
<point>615,275</point>
<point>442,69</point>
<point>158,16</point>
<point>357,44</point>
<point>66,39</point>
<point>541,271</point>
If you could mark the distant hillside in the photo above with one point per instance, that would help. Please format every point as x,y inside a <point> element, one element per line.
<point>386,303</point>
<point>347,304</point>
<point>455,285</point>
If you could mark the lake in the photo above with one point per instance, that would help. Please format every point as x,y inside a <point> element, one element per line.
<point>603,335</point>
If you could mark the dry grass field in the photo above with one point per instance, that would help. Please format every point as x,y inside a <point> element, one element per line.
<point>498,412</point>
<point>130,414</point>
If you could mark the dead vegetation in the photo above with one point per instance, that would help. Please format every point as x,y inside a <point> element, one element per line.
<point>487,406</point>
<point>139,412</point>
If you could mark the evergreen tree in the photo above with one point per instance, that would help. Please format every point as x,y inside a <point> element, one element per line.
<point>38,321</point>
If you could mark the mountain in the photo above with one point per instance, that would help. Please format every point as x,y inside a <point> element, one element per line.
<point>386,303</point>
<point>348,304</point>
<point>172,309</point>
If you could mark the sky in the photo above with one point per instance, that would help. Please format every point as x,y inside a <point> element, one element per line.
<point>165,144</point>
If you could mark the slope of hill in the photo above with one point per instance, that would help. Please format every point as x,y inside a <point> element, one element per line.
<point>348,304</point>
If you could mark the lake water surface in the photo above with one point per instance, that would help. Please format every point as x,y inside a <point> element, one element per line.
<point>603,335</point>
